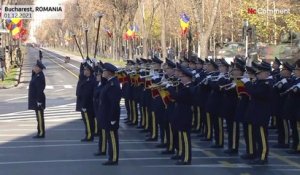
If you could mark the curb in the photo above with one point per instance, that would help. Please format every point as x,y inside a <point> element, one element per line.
<point>17,77</point>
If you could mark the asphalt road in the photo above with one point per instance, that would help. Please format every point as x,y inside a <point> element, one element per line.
<point>62,153</point>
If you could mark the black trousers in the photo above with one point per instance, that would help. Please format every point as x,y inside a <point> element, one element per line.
<point>218,130</point>
<point>40,122</point>
<point>261,142</point>
<point>102,144</point>
<point>169,137</point>
<point>196,118</point>
<point>128,108</point>
<point>249,135</point>
<point>233,129</point>
<point>295,125</point>
<point>89,123</point>
<point>113,145</point>
<point>153,126</point>
<point>209,126</point>
<point>134,112</point>
<point>283,131</point>
<point>185,146</point>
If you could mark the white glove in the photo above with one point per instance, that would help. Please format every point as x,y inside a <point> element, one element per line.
<point>83,109</point>
<point>208,77</point>
<point>232,86</point>
<point>194,71</point>
<point>168,85</point>
<point>112,122</point>
<point>197,76</point>
<point>164,83</point>
<point>245,80</point>
<point>39,104</point>
<point>83,61</point>
<point>298,85</point>
<point>283,81</point>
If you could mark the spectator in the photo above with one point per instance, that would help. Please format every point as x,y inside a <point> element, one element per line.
<point>2,69</point>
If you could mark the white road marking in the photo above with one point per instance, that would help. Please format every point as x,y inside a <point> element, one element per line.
<point>17,98</point>
<point>49,87</point>
<point>68,86</point>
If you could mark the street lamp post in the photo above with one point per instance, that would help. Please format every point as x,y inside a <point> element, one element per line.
<point>246,24</point>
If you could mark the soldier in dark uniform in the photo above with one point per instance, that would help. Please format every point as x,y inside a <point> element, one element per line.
<point>259,111</point>
<point>213,106</point>
<point>37,98</point>
<point>275,98</point>
<point>239,117</point>
<point>282,122</point>
<point>40,55</point>
<point>169,112</point>
<point>100,83</point>
<point>291,109</point>
<point>85,96</point>
<point>229,103</point>
<point>183,114</point>
<point>156,111</point>
<point>199,112</point>
<point>109,112</point>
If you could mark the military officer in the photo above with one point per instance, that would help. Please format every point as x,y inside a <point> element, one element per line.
<point>109,111</point>
<point>100,83</point>
<point>37,98</point>
<point>291,109</point>
<point>85,99</point>
<point>259,111</point>
<point>282,122</point>
<point>275,98</point>
<point>183,115</point>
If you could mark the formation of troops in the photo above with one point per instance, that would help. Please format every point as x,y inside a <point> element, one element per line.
<point>170,100</point>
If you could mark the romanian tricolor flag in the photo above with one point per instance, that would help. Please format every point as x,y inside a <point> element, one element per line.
<point>165,96</point>
<point>131,32</point>
<point>240,88</point>
<point>184,23</point>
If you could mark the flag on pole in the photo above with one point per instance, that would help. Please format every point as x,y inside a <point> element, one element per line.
<point>131,32</point>
<point>108,32</point>
<point>184,23</point>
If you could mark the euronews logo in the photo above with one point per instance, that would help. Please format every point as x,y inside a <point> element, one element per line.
<point>264,11</point>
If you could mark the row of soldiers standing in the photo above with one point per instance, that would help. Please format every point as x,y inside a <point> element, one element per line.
<point>171,100</point>
<point>98,99</point>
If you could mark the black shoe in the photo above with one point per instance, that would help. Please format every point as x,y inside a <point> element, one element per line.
<point>139,127</point>
<point>151,140</point>
<point>167,152</point>
<point>110,163</point>
<point>176,157</point>
<point>216,146</point>
<point>231,152</point>
<point>87,140</point>
<point>258,162</point>
<point>292,151</point>
<point>38,137</point>
<point>247,156</point>
<point>281,146</point>
<point>99,154</point>
<point>182,163</point>
<point>206,139</point>
<point>162,145</point>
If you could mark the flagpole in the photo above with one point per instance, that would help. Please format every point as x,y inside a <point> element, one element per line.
<point>99,16</point>
<point>78,46</point>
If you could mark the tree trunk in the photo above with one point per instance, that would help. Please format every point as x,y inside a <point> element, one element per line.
<point>163,30</point>
<point>209,28</point>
